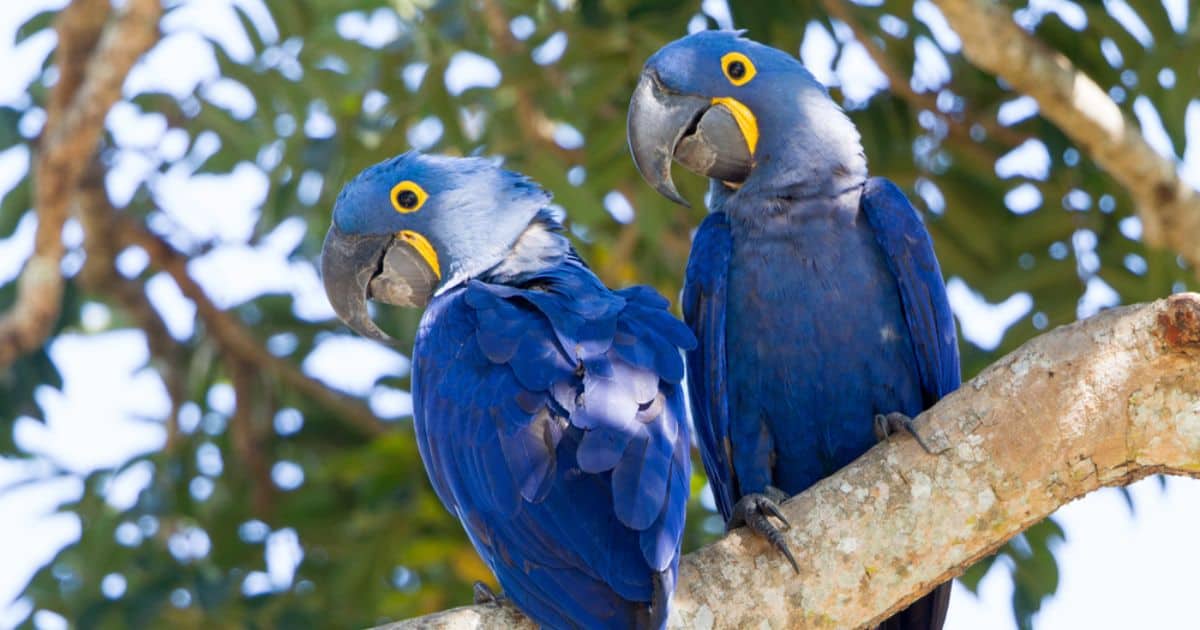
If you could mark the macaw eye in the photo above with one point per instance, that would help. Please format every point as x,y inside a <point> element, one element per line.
<point>407,196</point>
<point>737,68</point>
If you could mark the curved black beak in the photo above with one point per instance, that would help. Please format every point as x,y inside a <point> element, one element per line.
<point>700,133</point>
<point>358,267</point>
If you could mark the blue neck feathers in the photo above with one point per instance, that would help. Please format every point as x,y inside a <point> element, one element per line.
<point>540,247</point>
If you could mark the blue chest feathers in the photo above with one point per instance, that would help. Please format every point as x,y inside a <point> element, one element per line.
<point>817,343</point>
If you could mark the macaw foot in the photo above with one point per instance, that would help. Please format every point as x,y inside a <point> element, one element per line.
<point>754,510</point>
<point>485,595</point>
<point>894,422</point>
<point>656,613</point>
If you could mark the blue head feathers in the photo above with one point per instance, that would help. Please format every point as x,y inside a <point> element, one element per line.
<point>747,115</point>
<point>416,225</point>
<point>706,63</point>
<point>470,209</point>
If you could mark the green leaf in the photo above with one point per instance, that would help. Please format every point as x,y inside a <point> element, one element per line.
<point>34,25</point>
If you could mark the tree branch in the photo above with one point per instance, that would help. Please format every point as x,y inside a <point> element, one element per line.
<point>533,121</point>
<point>898,80</point>
<point>100,275</point>
<point>1101,402</point>
<point>234,338</point>
<point>248,434</point>
<point>75,116</point>
<point>1169,209</point>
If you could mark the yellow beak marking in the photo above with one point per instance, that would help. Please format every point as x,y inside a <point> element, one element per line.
<point>744,118</point>
<point>423,247</point>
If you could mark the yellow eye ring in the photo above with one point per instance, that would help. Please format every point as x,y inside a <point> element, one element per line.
<point>737,68</point>
<point>407,197</point>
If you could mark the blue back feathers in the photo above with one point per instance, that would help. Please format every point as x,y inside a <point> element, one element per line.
<point>551,421</point>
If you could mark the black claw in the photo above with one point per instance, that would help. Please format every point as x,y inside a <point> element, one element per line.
<point>881,428</point>
<point>772,509</point>
<point>483,594</point>
<point>895,421</point>
<point>657,612</point>
<point>775,537</point>
<point>754,510</point>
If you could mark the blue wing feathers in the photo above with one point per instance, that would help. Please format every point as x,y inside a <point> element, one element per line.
<point>704,294</point>
<point>642,383</point>
<point>654,353</point>
<point>530,402</point>
<point>910,256</point>
<point>645,296</point>
<point>605,403</point>
<point>538,364</point>
<point>662,322</point>
<point>602,448</point>
<point>529,452</point>
<point>500,331</point>
<point>551,421</point>
<point>661,543</point>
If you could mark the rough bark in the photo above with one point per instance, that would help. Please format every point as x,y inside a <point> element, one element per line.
<point>1168,207</point>
<point>1101,402</point>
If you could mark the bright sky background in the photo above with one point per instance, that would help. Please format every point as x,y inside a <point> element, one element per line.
<point>1118,570</point>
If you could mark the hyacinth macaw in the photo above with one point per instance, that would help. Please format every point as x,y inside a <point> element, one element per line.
<point>814,290</point>
<point>547,408</point>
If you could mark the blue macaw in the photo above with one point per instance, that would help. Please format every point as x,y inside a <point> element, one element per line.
<point>814,289</point>
<point>548,409</point>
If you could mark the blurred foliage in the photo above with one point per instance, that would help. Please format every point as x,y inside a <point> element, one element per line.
<point>329,98</point>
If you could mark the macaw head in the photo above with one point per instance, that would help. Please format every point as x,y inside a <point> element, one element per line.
<point>416,225</point>
<point>736,111</point>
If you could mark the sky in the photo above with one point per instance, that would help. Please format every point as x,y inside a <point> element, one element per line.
<point>1119,569</point>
